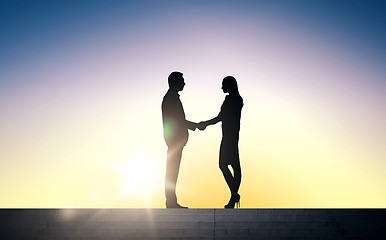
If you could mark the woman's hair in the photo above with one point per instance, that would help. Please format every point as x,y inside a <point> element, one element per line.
<point>232,84</point>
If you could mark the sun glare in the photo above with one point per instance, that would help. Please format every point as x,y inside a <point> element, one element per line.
<point>142,176</point>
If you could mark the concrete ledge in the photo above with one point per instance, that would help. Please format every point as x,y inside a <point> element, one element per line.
<point>192,223</point>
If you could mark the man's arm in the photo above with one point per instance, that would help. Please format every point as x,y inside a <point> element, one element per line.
<point>191,125</point>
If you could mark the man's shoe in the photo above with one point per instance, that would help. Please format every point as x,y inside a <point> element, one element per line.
<point>174,205</point>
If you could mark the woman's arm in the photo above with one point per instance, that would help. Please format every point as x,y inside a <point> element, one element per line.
<point>204,124</point>
<point>213,120</point>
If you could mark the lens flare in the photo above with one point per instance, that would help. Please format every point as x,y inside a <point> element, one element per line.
<point>141,176</point>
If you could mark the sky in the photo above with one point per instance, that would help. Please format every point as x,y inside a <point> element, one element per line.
<point>81,85</point>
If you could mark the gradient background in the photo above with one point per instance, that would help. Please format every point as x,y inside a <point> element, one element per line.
<point>81,85</point>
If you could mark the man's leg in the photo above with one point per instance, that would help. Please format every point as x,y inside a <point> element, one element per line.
<point>172,168</point>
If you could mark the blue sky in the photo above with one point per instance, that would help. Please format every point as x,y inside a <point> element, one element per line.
<point>28,27</point>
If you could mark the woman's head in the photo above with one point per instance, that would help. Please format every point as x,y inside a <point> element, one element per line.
<point>229,85</point>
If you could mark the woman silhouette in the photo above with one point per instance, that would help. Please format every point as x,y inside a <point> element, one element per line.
<point>229,150</point>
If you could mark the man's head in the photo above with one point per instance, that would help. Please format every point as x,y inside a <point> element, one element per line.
<point>176,81</point>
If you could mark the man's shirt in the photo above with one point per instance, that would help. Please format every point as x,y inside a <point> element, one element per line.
<point>174,122</point>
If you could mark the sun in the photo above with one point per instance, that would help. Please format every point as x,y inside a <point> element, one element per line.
<point>141,176</point>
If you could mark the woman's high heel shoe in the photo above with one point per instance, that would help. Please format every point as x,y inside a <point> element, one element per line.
<point>235,199</point>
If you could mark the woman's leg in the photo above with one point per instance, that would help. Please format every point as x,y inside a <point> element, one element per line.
<point>228,176</point>
<point>233,182</point>
<point>236,177</point>
<point>229,149</point>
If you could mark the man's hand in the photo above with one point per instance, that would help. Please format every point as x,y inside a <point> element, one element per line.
<point>201,126</point>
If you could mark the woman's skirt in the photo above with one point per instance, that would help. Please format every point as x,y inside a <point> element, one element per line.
<point>229,152</point>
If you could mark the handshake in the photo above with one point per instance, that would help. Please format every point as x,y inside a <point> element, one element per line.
<point>202,125</point>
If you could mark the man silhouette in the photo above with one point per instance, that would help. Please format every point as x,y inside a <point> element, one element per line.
<point>176,135</point>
